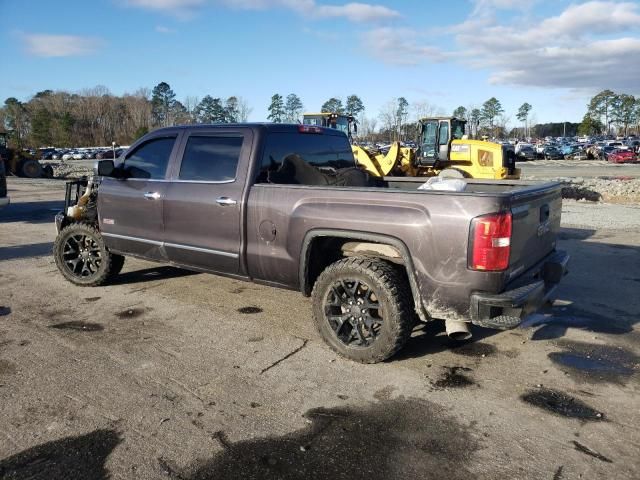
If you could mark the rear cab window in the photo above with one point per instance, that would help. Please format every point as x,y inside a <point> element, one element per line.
<point>326,152</point>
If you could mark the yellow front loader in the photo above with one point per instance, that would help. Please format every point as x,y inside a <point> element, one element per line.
<point>443,149</point>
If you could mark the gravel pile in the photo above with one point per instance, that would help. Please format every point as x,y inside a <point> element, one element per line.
<point>605,189</point>
<point>62,169</point>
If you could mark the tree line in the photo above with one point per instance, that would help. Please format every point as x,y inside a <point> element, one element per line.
<point>608,108</point>
<point>97,117</point>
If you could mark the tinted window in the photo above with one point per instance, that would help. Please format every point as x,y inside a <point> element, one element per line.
<point>322,151</point>
<point>150,159</point>
<point>211,158</point>
<point>444,133</point>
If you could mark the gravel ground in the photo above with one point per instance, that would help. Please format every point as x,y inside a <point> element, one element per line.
<point>625,218</point>
<point>168,374</point>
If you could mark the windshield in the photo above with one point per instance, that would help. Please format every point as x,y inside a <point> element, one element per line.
<point>457,129</point>
<point>340,123</point>
<point>428,140</point>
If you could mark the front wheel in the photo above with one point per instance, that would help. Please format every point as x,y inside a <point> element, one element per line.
<point>82,256</point>
<point>362,308</point>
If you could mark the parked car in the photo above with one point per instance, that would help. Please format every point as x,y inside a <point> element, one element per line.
<point>297,213</point>
<point>605,151</point>
<point>527,153</point>
<point>552,153</point>
<point>622,156</point>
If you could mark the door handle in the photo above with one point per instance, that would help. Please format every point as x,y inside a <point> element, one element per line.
<point>152,195</point>
<point>225,201</point>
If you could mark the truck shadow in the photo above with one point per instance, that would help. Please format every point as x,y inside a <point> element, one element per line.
<point>598,296</point>
<point>152,274</point>
<point>370,441</point>
<point>31,212</point>
<point>83,457</point>
<point>25,251</point>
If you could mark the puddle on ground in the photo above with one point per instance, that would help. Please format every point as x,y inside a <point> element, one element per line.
<point>453,379</point>
<point>131,313</point>
<point>561,404</point>
<point>598,363</point>
<point>249,310</point>
<point>78,325</point>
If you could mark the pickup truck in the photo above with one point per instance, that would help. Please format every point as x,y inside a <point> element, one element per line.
<point>286,206</point>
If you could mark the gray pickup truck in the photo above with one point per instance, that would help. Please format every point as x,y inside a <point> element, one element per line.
<point>286,206</point>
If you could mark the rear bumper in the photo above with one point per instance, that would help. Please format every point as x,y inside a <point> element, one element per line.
<point>508,309</point>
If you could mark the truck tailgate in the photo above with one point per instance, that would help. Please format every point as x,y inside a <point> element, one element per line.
<point>536,223</point>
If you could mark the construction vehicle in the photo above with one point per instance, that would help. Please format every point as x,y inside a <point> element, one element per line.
<point>21,163</point>
<point>443,149</point>
<point>338,121</point>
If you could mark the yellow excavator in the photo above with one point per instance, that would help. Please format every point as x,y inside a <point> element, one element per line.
<point>442,149</point>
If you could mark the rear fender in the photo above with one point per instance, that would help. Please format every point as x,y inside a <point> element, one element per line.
<point>399,248</point>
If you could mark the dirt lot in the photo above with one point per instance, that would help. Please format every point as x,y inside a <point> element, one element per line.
<point>168,374</point>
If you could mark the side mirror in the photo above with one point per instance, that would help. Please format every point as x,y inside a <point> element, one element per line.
<point>104,168</point>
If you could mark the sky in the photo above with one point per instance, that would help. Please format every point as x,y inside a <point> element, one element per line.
<point>552,54</point>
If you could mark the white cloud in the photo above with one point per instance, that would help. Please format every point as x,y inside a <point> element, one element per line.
<point>567,50</point>
<point>489,6</point>
<point>357,12</point>
<point>183,9</point>
<point>165,4</point>
<point>43,45</point>
<point>398,46</point>
<point>163,29</point>
<point>353,11</point>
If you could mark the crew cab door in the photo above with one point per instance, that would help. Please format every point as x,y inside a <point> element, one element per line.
<point>203,202</point>
<point>130,208</point>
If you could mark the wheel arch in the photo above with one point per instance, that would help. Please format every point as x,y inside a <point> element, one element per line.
<point>308,273</point>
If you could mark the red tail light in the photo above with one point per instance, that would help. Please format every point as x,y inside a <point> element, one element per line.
<point>490,242</point>
<point>309,129</point>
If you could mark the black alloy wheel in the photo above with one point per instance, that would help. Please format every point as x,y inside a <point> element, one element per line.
<point>354,312</point>
<point>82,255</point>
<point>363,308</point>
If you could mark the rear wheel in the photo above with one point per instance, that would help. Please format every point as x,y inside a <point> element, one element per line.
<point>362,308</point>
<point>30,168</point>
<point>82,256</point>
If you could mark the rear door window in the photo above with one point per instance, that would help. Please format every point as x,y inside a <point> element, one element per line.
<point>324,152</point>
<point>150,160</point>
<point>211,158</point>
